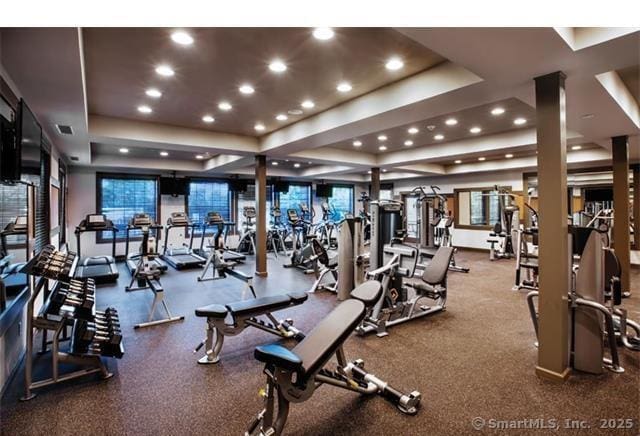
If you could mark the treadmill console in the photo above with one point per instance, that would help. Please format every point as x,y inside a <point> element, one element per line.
<point>178,219</point>
<point>20,224</point>
<point>141,220</point>
<point>249,212</point>
<point>214,218</point>
<point>95,221</point>
<point>292,216</point>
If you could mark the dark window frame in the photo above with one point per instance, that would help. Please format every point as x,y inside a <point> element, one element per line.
<point>125,176</point>
<point>233,198</point>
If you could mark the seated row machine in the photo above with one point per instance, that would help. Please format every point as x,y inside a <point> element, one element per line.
<point>294,375</point>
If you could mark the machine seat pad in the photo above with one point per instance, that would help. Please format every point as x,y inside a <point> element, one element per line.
<point>323,341</point>
<point>278,356</point>
<point>212,311</point>
<point>436,272</point>
<point>367,292</point>
<point>530,263</point>
<point>259,306</point>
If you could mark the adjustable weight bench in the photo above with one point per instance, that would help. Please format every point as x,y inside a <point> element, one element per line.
<point>293,376</point>
<point>231,319</point>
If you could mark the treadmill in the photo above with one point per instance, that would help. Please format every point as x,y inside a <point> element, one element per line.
<point>182,257</point>
<point>215,220</point>
<point>102,269</point>
<point>139,221</point>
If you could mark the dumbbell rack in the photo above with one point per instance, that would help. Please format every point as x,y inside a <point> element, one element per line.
<point>66,304</point>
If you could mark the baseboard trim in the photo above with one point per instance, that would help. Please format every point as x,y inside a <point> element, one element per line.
<point>552,376</point>
<point>261,273</point>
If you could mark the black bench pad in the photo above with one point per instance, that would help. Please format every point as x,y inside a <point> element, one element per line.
<point>279,356</point>
<point>368,292</point>
<point>252,307</point>
<point>326,337</point>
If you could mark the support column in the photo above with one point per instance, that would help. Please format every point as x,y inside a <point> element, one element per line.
<point>621,243</point>
<point>553,337</point>
<point>375,184</point>
<point>261,216</point>
<point>636,207</point>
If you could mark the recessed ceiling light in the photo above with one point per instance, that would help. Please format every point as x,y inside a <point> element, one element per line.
<point>181,37</point>
<point>199,156</point>
<point>369,172</point>
<point>451,122</point>
<point>277,66</point>
<point>438,137</point>
<point>323,33</point>
<point>124,150</point>
<point>576,147</point>
<point>519,121</point>
<point>384,170</point>
<point>144,109</point>
<point>413,130</point>
<point>164,153</point>
<point>344,87</point>
<point>508,155</point>
<point>408,143</point>
<point>208,119</point>
<point>165,70</point>
<point>482,158</point>
<point>259,127</point>
<point>475,130</point>
<point>296,165</point>
<point>382,148</point>
<point>307,104</point>
<point>295,112</point>
<point>382,138</point>
<point>224,106</point>
<point>458,161</point>
<point>309,162</point>
<point>394,64</point>
<point>153,92</point>
<point>281,117</point>
<point>357,143</point>
<point>497,111</point>
<point>274,163</point>
<point>246,89</point>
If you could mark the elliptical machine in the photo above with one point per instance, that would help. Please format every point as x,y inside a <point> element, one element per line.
<point>277,233</point>
<point>147,275</point>
<point>326,227</point>
<point>247,243</point>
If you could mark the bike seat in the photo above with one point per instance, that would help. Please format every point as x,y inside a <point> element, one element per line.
<point>278,356</point>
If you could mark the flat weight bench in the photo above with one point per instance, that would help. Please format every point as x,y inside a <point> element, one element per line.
<point>231,319</point>
<point>293,376</point>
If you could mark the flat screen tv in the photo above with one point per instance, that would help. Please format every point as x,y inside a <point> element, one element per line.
<point>174,186</point>
<point>281,186</point>
<point>236,185</point>
<point>598,194</point>
<point>324,191</point>
<point>28,134</point>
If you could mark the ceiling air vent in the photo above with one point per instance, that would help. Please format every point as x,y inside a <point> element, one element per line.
<point>74,158</point>
<point>64,130</point>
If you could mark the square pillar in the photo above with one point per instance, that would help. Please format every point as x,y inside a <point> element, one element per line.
<point>375,184</point>
<point>636,207</point>
<point>261,216</point>
<point>621,234</point>
<point>554,275</point>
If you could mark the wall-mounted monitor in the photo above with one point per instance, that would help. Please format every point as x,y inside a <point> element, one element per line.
<point>174,186</point>
<point>237,185</point>
<point>324,191</point>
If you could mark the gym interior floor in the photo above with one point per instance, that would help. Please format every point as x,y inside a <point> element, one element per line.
<point>476,359</point>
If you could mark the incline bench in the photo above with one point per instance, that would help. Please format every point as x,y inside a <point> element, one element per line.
<point>293,376</point>
<point>231,319</point>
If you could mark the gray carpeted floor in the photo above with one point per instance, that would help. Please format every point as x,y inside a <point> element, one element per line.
<point>476,359</point>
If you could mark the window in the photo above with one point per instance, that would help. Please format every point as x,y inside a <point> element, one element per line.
<point>208,196</point>
<point>291,200</point>
<point>341,201</point>
<point>120,197</point>
<point>477,207</point>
